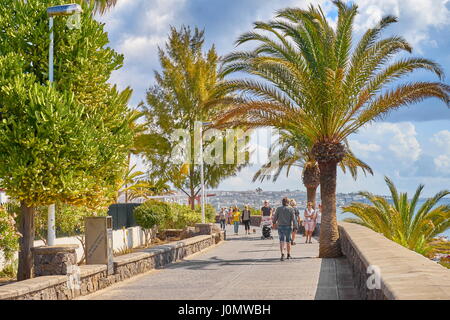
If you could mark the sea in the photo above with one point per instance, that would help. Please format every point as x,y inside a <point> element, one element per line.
<point>344,215</point>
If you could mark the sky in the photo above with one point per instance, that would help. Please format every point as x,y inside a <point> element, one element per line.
<point>410,145</point>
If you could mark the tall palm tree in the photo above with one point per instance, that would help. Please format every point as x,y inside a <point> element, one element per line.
<point>316,82</point>
<point>295,151</point>
<point>403,222</point>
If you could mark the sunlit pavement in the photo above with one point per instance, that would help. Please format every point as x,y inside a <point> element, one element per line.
<point>243,267</point>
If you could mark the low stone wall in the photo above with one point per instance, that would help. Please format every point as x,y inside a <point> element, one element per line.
<point>89,278</point>
<point>401,274</point>
<point>129,265</point>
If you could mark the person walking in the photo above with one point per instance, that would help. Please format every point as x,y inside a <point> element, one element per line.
<point>266,210</point>
<point>246,213</point>
<point>284,217</point>
<point>318,220</point>
<point>222,218</point>
<point>236,218</point>
<point>309,222</point>
<point>229,215</point>
<point>293,204</point>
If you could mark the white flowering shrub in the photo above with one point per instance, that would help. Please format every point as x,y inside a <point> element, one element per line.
<point>9,236</point>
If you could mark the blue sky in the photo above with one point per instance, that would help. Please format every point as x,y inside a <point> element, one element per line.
<point>411,145</point>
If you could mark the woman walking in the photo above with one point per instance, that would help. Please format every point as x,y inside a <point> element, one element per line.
<point>246,219</point>
<point>293,204</point>
<point>309,222</point>
<point>222,218</point>
<point>236,215</point>
<point>318,220</point>
<point>230,215</point>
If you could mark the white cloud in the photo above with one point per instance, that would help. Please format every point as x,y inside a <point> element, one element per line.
<point>137,28</point>
<point>416,18</point>
<point>397,141</point>
<point>442,163</point>
<point>365,150</point>
<point>442,140</point>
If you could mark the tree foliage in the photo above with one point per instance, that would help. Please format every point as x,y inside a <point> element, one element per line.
<point>64,142</point>
<point>189,88</point>
<point>403,221</point>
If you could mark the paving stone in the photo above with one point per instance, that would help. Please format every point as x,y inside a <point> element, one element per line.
<point>243,267</point>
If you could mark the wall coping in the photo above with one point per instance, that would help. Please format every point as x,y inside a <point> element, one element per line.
<point>31,285</point>
<point>55,249</point>
<point>405,274</point>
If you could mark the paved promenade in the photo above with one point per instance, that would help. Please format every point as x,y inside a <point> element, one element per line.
<point>243,267</point>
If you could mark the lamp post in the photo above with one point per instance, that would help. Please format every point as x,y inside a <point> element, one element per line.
<point>202,175</point>
<point>63,10</point>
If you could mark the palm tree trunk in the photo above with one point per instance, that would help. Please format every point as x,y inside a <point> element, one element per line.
<point>311,195</point>
<point>329,235</point>
<point>25,268</point>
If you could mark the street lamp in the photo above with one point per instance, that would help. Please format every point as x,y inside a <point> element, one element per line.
<point>63,10</point>
<point>202,175</point>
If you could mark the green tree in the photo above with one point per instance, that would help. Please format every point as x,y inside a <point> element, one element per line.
<point>321,84</point>
<point>66,142</point>
<point>295,151</point>
<point>189,89</point>
<point>403,221</point>
<point>150,215</point>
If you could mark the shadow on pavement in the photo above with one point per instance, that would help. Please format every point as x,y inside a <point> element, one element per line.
<point>215,263</point>
<point>336,281</point>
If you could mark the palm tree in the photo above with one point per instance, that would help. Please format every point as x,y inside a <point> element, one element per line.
<point>402,221</point>
<point>100,6</point>
<point>189,90</point>
<point>295,151</point>
<point>316,82</point>
<point>149,188</point>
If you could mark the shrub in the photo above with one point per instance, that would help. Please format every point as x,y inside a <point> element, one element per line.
<point>186,217</point>
<point>9,236</point>
<point>210,212</point>
<point>151,214</point>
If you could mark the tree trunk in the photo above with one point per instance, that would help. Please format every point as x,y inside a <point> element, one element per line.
<point>311,180</point>
<point>25,269</point>
<point>311,195</point>
<point>329,235</point>
<point>192,200</point>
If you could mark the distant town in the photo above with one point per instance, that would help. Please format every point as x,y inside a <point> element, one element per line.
<point>255,198</point>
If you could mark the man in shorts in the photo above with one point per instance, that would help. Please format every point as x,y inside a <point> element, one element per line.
<point>285,218</point>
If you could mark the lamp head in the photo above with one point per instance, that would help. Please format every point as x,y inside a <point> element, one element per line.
<point>64,10</point>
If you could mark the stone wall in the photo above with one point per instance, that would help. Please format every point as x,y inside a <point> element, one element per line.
<point>90,278</point>
<point>129,265</point>
<point>122,239</point>
<point>403,274</point>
